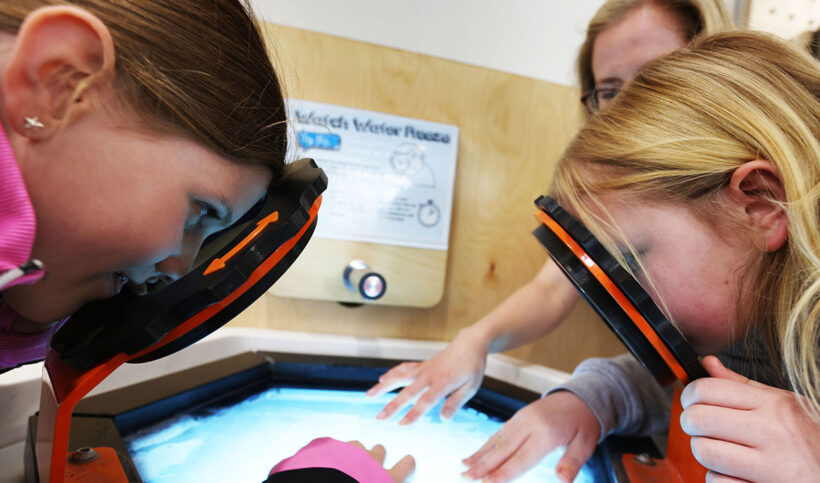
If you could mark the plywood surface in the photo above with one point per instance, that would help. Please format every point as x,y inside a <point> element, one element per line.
<point>414,276</point>
<point>512,131</point>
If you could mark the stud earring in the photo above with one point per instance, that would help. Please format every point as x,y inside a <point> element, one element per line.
<point>33,123</point>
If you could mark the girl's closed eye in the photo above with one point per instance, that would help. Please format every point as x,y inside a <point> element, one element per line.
<point>631,260</point>
<point>200,213</point>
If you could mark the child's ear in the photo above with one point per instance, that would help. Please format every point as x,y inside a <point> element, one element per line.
<point>57,53</point>
<point>756,188</point>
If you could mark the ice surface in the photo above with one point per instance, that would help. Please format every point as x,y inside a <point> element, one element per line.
<point>243,442</point>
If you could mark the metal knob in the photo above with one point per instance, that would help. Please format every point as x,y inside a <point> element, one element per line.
<point>359,278</point>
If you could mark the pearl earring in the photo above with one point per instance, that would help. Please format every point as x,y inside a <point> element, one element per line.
<point>33,123</point>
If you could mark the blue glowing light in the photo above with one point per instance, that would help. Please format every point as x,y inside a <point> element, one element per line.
<point>243,442</point>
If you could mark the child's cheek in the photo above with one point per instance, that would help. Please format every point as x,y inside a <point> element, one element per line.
<point>163,240</point>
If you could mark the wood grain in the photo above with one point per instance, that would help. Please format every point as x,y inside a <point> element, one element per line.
<point>512,132</point>
<point>414,276</point>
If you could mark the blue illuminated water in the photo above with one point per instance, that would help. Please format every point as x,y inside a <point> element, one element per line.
<point>242,443</point>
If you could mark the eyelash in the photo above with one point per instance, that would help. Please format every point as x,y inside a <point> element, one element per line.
<point>205,212</point>
<point>632,262</point>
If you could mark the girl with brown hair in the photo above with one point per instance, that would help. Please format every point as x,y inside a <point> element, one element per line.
<point>131,131</point>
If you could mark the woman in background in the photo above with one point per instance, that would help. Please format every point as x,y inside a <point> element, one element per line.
<point>622,36</point>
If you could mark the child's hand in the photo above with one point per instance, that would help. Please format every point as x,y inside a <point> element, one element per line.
<point>457,371</point>
<point>560,419</point>
<point>400,472</point>
<point>747,430</point>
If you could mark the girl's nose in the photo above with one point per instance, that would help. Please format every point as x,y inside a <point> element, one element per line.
<point>176,266</point>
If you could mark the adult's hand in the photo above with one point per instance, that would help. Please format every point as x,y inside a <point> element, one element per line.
<point>454,373</point>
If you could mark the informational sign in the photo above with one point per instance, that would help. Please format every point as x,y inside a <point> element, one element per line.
<point>390,178</point>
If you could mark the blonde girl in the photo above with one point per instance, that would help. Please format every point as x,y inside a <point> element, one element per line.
<point>703,176</point>
<point>621,37</point>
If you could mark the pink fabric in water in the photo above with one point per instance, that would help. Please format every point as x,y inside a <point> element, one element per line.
<point>330,453</point>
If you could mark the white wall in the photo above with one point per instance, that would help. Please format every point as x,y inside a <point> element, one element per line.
<point>532,38</point>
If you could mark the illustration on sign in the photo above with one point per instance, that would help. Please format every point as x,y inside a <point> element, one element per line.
<point>408,160</point>
<point>390,178</point>
<point>429,214</point>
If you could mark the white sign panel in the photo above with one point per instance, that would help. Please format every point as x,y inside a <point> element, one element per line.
<point>390,178</point>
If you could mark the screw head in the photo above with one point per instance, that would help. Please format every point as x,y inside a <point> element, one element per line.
<point>83,455</point>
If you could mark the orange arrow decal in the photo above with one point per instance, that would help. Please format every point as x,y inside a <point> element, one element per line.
<point>219,263</point>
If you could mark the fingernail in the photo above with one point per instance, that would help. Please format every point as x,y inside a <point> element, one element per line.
<point>446,415</point>
<point>381,415</point>
<point>562,475</point>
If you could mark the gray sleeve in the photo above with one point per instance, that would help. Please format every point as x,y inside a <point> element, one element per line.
<point>622,394</point>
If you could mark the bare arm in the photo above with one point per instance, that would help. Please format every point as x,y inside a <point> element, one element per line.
<point>531,312</point>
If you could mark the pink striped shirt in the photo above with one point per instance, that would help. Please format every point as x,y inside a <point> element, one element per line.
<point>17,228</point>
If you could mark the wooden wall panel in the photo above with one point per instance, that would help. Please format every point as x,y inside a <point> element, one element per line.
<point>512,131</point>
